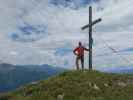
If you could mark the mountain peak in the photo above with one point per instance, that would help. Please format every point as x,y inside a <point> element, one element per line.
<point>77,85</point>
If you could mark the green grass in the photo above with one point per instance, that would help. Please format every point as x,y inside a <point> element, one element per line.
<point>77,85</point>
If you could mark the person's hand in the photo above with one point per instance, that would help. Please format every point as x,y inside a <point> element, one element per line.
<point>86,49</point>
<point>76,53</point>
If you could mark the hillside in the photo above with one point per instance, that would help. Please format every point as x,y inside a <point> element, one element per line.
<point>14,76</point>
<point>77,85</point>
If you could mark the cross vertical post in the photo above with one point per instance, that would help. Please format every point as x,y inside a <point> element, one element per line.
<point>90,38</point>
<point>89,26</point>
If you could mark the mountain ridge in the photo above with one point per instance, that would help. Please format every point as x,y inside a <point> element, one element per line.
<point>14,76</point>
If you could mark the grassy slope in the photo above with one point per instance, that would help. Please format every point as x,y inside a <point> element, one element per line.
<point>77,85</point>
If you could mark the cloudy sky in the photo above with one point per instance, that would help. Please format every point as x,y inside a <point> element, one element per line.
<point>47,31</point>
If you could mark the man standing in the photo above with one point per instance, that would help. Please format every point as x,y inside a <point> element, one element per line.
<point>79,52</point>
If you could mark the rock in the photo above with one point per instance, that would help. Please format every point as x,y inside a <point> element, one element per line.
<point>106,85</point>
<point>60,97</point>
<point>96,87</point>
<point>130,82</point>
<point>34,83</point>
<point>122,84</point>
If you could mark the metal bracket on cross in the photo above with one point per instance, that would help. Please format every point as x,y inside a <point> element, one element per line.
<point>90,25</point>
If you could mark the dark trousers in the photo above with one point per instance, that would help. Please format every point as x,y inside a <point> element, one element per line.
<point>81,59</point>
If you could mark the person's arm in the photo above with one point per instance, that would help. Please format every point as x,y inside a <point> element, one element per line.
<point>86,49</point>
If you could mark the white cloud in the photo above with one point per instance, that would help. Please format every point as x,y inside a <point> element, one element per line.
<point>64,27</point>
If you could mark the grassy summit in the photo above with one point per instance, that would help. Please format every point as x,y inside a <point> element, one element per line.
<point>77,85</point>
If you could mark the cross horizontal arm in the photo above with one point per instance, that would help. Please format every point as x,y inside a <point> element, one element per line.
<point>93,23</point>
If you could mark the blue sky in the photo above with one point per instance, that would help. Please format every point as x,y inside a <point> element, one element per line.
<point>29,33</point>
<point>46,31</point>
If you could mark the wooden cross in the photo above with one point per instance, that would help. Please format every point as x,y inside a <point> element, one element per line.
<point>91,23</point>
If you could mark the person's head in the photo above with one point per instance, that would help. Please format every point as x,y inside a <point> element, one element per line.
<point>80,44</point>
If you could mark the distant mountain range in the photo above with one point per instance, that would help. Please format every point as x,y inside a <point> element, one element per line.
<point>126,70</point>
<point>14,76</point>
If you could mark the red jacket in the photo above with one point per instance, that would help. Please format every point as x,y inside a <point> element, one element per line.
<point>79,51</point>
